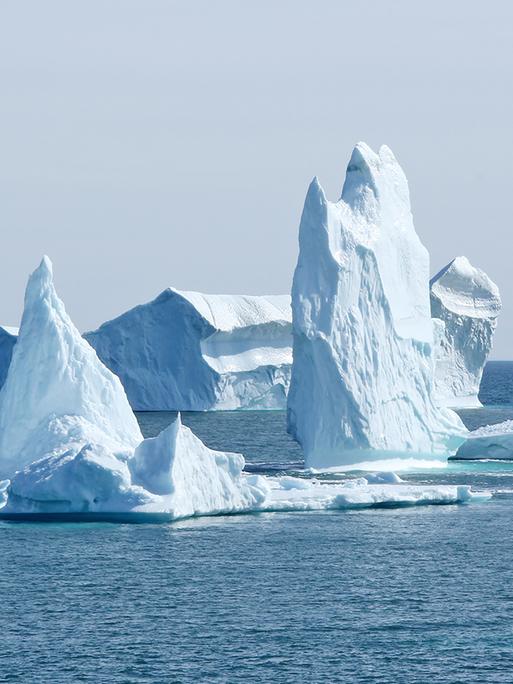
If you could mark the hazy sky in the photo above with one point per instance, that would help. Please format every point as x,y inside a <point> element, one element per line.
<point>154,143</point>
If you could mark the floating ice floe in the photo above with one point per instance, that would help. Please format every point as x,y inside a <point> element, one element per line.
<point>489,442</point>
<point>361,494</point>
<point>465,305</point>
<point>362,383</point>
<point>189,351</point>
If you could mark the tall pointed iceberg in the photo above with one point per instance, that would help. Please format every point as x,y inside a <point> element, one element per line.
<point>362,375</point>
<point>70,442</point>
<point>55,372</point>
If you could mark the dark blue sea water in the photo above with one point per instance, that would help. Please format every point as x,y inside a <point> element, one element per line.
<point>391,596</point>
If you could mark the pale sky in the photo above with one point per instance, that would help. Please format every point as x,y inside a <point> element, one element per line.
<point>147,144</point>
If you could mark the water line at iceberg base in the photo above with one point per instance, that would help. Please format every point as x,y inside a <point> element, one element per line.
<point>367,485</point>
<point>73,449</point>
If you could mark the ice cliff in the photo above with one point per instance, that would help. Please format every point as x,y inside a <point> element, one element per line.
<point>70,442</point>
<point>467,304</point>
<point>362,378</point>
<point>193,352</point>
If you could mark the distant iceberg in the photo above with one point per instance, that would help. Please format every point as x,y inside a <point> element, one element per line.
<point>8,337</point>
<point>362,378</point>
<point>465,305</point>
<point>193,352</point>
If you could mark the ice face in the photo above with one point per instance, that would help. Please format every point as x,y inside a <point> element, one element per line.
<point>191,351</point>
<point>362,376</point>
<point>467,303</point>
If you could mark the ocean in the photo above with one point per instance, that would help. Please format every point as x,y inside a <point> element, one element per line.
<point>408,595</point>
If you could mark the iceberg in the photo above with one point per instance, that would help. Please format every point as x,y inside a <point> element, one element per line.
<point>70,443</point>
<point>194,352</point>
<point>488,442</point>
<point>173,474</point>
<point>8,337</point>
<point>54,372</point>
<point>466,303</point>
<point>362,378</point>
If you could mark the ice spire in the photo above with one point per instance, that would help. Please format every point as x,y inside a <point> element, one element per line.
<point>54,371</point>
<point>362,376</point>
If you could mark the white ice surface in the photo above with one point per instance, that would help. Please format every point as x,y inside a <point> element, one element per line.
<point>191,479</point>
<point>467,304</point>
<point>228,312</point>
<point>362,377</point>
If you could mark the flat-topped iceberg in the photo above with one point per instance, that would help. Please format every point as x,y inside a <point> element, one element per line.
<point>467,304</point>
<point>362,378</point>
<point>70,442</point>
<point>193,352</point>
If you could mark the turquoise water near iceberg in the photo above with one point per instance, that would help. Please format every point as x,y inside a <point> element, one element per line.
<point>410,595</point>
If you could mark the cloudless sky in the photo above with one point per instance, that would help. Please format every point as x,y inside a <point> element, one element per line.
<point>155,143</point>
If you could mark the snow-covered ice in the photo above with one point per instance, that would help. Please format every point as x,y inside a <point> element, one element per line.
<point>489,442</point>
<point>192,351</point>
<point>467,304</point>
<point>362,378</point>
